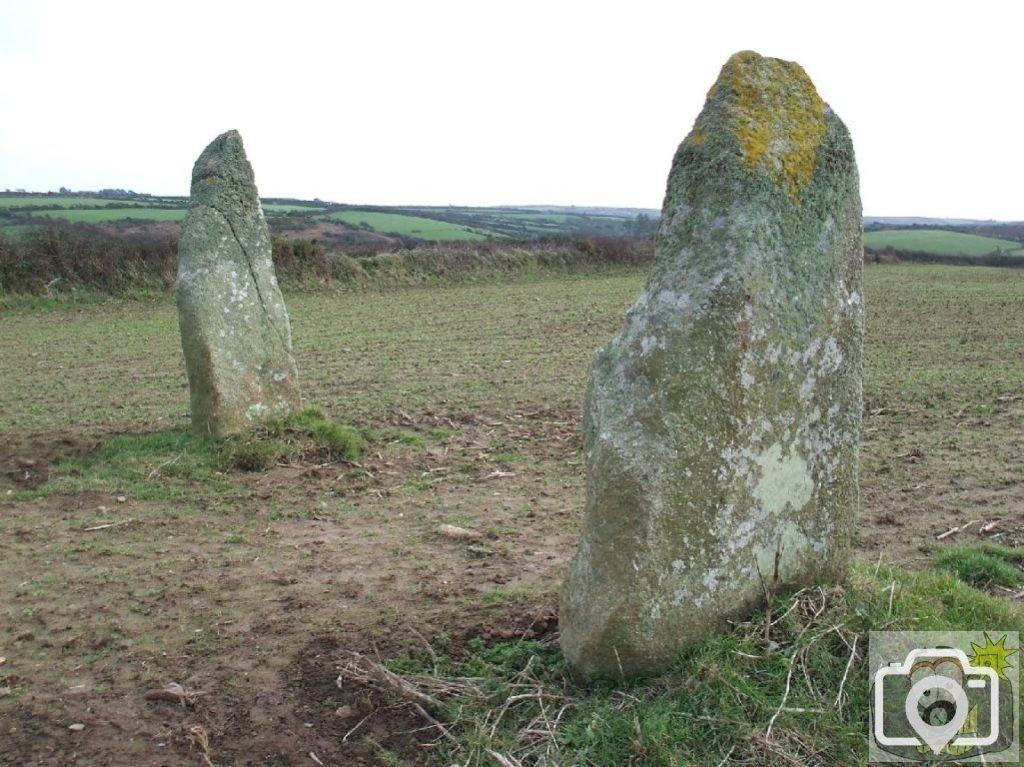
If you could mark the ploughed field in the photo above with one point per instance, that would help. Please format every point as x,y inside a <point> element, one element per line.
<point>126,566</point>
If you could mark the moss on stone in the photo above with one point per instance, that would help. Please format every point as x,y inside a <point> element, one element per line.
<point>711,414</point>
<point>235,332</point>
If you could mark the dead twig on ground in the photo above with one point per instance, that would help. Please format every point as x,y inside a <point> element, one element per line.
<point>170,462</point>
<point>1011,593</point>
<point>426,644</point>
<point>459,533</point>
<point>955,530</point>
<point>199,738</point>
<point>770,591</point>
<point>498,474</point>
<point>175,693</point>
<point>418,688</point>
<point>364,671</point>
<point>798,651</point>
<point>107,526</point>
<point>421,691</point>
<point>846,673</point>
<point>725,758</point>
<point>358,725</point>
<point>441,728</point>
<point>504,761</point>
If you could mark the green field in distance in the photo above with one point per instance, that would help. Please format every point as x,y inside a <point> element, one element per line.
<point>44,201</point>
<point>938,241</point>
<point>409,226</point>
<point>115,214</point>
<point>276,207</point>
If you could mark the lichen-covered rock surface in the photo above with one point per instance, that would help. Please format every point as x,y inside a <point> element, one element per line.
<point>234,326</point>
<point>722,422</point>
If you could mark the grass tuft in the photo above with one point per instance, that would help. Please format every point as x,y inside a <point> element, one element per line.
<point>253,452</point>
<point>984,565</point>
<point>315,430</point>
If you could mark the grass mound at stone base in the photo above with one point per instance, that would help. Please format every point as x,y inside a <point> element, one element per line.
<point>788,687</point>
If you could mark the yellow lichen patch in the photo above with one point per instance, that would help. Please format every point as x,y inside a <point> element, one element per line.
<point>697,138</point>
<point>779,117</point>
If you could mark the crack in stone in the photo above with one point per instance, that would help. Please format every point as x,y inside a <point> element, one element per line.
<point>255,281</point>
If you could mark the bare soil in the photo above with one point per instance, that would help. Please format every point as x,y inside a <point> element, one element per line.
<point>250,598</point>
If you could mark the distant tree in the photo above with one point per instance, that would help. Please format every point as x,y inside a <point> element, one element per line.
<point>644,225</point>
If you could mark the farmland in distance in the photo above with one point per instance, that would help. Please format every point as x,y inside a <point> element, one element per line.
<point>299,218</point>
<point>940,242</point>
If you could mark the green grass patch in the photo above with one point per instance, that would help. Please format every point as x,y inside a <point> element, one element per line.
<point>153,466</point>
<point>274,207</point>
<point>161,465</point>
<point>788,687</point>
<point>559,218</point>
<point>984,565</point>
<point>256,452</point>
<point>45,201</point>
<point>29,303</point>
<point>311,430</point>
<point>412,440</point>
<point>115,214</point>
<point>408,226</point>
<point>304,436</point>
<point>938,242</point>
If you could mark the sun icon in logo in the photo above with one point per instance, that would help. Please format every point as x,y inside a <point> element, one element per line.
<point>992,655</point>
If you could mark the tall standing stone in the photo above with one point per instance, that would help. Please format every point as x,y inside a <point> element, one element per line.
<point>722,422</point>
<point>234,327</point>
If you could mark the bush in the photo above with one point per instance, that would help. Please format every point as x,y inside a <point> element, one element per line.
<point>62,257</point>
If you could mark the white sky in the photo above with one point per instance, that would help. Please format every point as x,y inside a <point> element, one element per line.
<point>481,103</point>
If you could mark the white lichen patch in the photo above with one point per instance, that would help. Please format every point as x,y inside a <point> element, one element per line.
<point>785,480</point>
<point>650,343</point>
<point>256,411</point>
<point>831,356</point>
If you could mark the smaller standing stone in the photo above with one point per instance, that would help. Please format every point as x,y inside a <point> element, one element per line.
<point>234,326</point>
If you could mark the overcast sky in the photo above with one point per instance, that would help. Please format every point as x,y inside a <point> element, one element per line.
<point>481,103</point>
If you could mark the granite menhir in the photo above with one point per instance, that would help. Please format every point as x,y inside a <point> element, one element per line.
<point>721,424</point>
